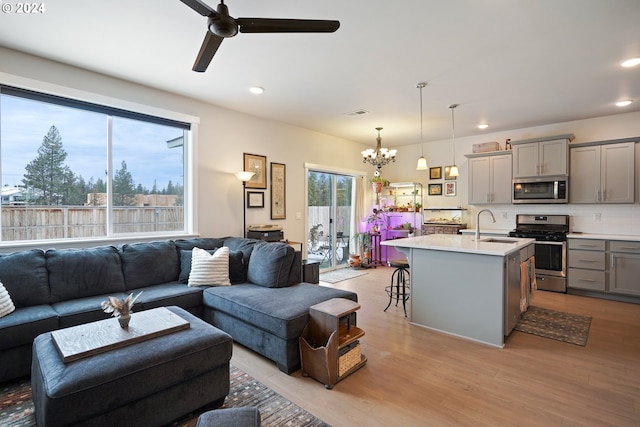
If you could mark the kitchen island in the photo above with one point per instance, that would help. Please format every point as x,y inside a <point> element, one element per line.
<point>465,287</point>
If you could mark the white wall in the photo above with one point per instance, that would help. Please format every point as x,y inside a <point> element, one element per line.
<point>223,137</point>
<point>614,219</point>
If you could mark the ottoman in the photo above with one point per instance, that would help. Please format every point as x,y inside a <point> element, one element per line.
<point>149,383</point>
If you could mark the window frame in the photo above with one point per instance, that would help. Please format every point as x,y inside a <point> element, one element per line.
<point>45,92</point>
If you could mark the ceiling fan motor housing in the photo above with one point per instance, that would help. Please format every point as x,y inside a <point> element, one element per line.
<point>223,26</point>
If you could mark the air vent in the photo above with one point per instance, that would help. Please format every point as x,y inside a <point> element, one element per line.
<point>357,113</point>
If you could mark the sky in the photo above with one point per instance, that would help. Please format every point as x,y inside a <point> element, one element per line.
<point>24,123</point>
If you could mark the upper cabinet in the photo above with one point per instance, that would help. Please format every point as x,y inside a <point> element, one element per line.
<point>489,178</point>
<point>541,156</point>
<point>602,172</point>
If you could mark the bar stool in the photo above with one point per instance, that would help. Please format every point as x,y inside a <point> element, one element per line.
<point>399,290</point>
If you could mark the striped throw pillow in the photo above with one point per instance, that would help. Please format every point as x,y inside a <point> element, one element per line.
<point>6,305</point>
<point>209,269</point>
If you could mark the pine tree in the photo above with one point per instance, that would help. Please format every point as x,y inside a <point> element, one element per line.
<point>123,187</point>
<point>47,175</point>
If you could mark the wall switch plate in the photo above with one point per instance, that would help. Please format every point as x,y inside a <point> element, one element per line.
<point>298,215</point>
<point>504,215</point>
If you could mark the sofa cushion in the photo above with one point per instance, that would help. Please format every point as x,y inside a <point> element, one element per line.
<point>79,273</point>
<point>6,305</point>
<point>283,312</point>
<point>198,242</point>
<point>24,324</point>
<point>236,266</point>
<point>83,310</point>
<point>149,263</point>
<point>245,246</point>
<point>24,275</point>
<point>270,264</point>
<point>209,269</point>
<point>166,294</point>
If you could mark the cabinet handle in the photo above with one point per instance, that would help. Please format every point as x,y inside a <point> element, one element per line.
<point>587,246</point>
<point>540,169</point>
<point>587,260</point>
<point>633,248</point>
<point>586,280</point>
<point>604,195</point>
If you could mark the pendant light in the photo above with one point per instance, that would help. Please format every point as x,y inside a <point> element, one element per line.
<point>453,171</point>
<point>422,162</point>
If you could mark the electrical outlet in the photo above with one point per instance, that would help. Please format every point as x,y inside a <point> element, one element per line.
<point>597,217</point>
<point>504,215</point>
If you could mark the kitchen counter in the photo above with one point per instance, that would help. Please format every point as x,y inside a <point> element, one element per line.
<point>624,237</point>
<point>500,246</point>
<point>463,287</point>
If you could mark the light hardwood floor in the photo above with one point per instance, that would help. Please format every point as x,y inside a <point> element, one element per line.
<point>417,377</point>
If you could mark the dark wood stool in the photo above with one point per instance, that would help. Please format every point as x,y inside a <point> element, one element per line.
<point>400,289</point>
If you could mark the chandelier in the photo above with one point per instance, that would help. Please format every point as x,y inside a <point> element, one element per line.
<point>380,156</point>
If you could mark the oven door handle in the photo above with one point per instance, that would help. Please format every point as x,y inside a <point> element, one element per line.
<point>546,242</point>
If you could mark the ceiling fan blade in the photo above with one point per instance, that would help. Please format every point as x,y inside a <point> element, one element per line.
<point>199,7</point>
<point>209,48</point>
<point>266,25</point>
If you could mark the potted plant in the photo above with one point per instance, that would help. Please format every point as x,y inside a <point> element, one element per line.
<point>378,182</point>
<point>377,219</point>
<point>362,242</point>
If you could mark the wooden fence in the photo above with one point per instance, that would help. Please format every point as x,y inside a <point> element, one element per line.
<point>60,222</point>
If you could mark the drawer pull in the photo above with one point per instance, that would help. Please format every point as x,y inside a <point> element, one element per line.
<point>587,246</point>
<point>586,280</point>
<point>587,260</point>
<point>633,248</point>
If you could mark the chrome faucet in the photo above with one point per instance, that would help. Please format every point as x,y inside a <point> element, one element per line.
<point>493,219</point>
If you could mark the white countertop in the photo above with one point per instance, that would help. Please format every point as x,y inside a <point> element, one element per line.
<point>460,243</point>
<point>629,238</point>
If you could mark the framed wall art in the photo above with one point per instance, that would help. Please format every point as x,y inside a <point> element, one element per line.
<point>278,191</point>
<point>447,173</point>
<point>255,199</point>
<point>435,189</point>
<point>258,164</point>
<point>450,188</point>
<point>435,173</point>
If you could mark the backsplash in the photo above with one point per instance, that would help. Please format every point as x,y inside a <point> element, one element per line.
<point>598,219</point>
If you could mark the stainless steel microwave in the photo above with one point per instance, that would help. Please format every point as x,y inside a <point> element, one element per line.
<point>541,190</point>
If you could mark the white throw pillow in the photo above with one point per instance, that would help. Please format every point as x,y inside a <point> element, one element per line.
<point>6,305</point>
<point>209,269</point>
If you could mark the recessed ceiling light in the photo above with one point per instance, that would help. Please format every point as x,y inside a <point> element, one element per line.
<point>623,103</point>
<point>631,62</point>
<point>257,90</point>
<point>483,126</point>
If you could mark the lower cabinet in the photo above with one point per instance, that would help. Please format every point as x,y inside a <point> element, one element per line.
<point>624,268</point>
<point>608,266</point>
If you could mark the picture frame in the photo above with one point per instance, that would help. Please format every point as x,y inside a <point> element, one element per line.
<point>447,173</point>
<point>258,164</point>
<point>450,188</point>
<point>255,199</point>
<point>435,189</point>
<point>278,190</point>
<point>435,173</point>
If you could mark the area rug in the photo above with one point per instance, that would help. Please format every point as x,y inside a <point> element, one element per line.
<point>557,325</point>
<point>16,407</point>
<point>336,276</point>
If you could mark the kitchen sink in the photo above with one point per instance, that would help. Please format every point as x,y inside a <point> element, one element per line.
<point>497,240</point>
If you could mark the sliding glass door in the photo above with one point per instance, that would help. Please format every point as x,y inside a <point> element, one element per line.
<point>331,217</point>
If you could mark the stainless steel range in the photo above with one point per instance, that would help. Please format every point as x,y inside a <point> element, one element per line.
<point>550,232</point>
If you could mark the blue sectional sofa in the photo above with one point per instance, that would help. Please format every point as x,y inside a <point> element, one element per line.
<point>265,308</point>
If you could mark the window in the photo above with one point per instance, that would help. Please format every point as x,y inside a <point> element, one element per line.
<point>71,169</point>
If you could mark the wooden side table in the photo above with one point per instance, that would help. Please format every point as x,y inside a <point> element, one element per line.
<point>329,345</point>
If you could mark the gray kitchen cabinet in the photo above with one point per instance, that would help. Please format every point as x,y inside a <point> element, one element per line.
<point>489,178</point>
<point>586,264</point>
<point>537,158</point>
<point>602,173</point>
<point>624,267</point>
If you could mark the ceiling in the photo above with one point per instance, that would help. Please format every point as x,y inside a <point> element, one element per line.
<point>508,63</point>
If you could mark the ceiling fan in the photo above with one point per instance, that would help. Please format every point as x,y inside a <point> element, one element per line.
<point>221,25</point>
